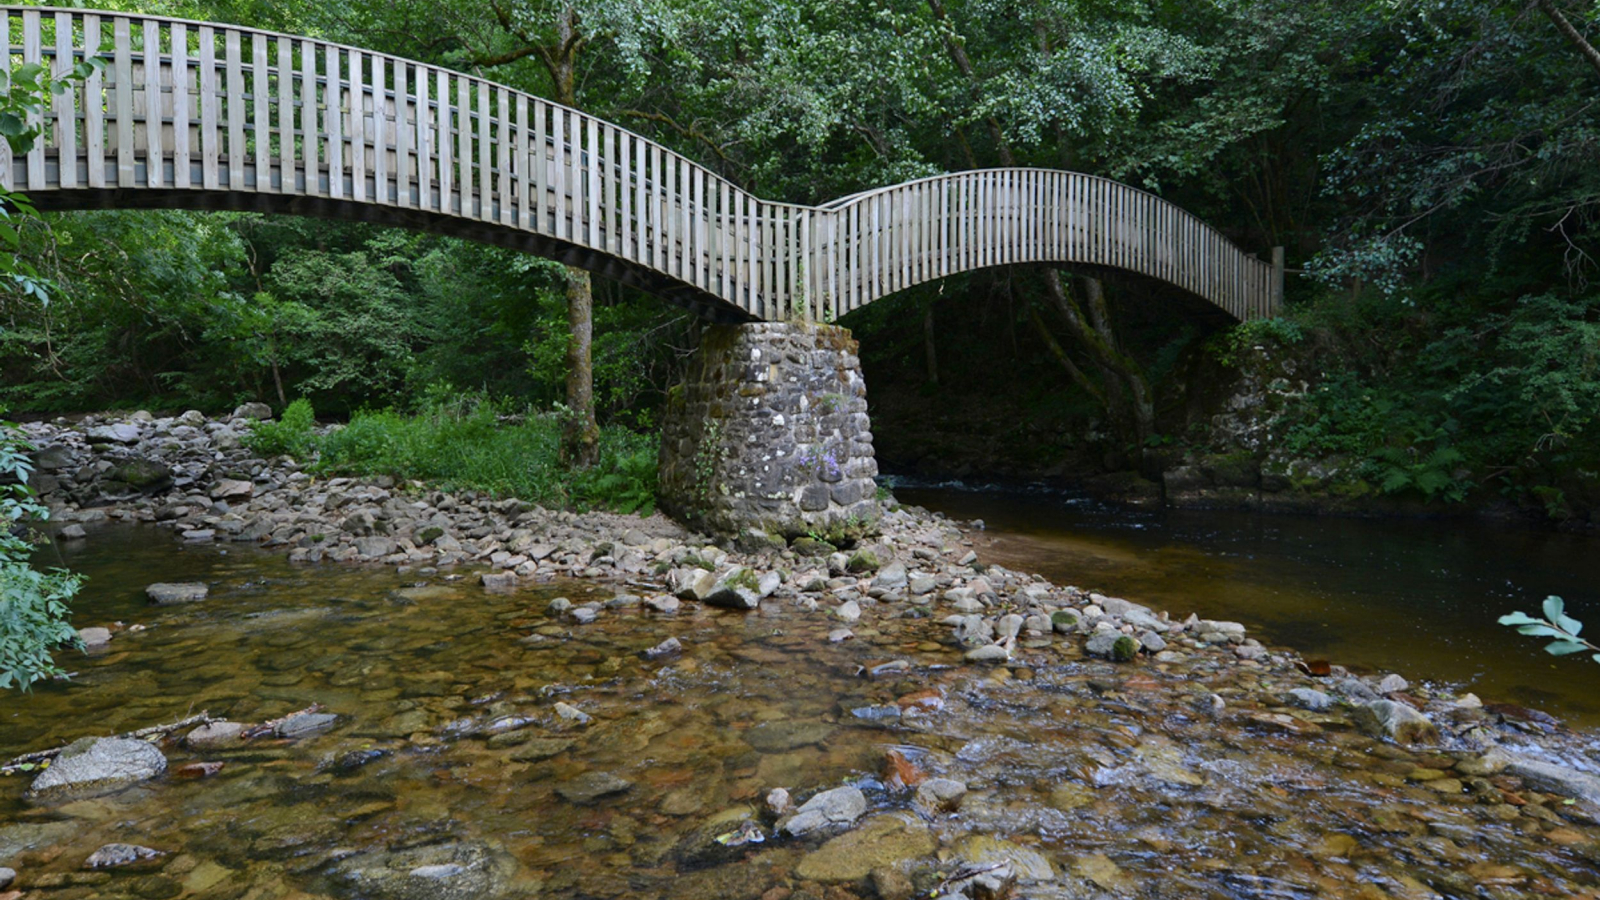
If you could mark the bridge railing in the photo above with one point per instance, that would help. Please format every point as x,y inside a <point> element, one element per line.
<point>198,107</point>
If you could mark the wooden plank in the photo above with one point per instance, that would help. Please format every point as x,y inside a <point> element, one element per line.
<point>466,191</point>
<point>7,175</point>
<point>485,185</point>
<point>380,128</point>
<point>355,99</point>
<point>66,114</point>
<point>180,108</point>
<point>233,108</point>
<point>625,225</point>
<point>122,110</point>
<point>425,140</point>
<point>666,192</point>
<point>595,180</point>
<point>702,236</point>
<point>262,120</point>
<point>405,120</point>
<point>311,151</point>
<point>558,179</point>
<point>541,167</point>
<point>33,52</point>
<point>285,100</point>
<point>210,152</point>
<point>150,63</point>
<point>506,192</point>
<point>333,118</point>
<point>442,141</point>
<point>524,164</point>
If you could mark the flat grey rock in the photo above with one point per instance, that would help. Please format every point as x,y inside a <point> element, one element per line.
<point>95,766</point>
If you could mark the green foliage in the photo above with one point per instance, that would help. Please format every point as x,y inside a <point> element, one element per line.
<point>1556,624</point>
<point>292,434</point>
<point>34,617</point>
<point>1230,346</point>
<point>466,441</point>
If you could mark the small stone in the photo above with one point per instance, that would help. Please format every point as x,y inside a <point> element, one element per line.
<point>232,489</point>
<point>840,806</point>
<point>1112,645</point>
<point>1151,642</point>
<point>112,855</point>
<point>572,714</point>
<point>941,794</point>
<point>165,594</point>
<point>591,786</point>
<point>304,725</point>
<point>1387,718</point>
<point>988,653</point>
<point>840,635</point>
<point>666,604</point>
<point>848,611</point>
<point>7,876</point>
<point>94,638</point>
<point>669,647</point>
<point>583,615</point>
<point>779,802</point>
<point>1307,698</point>
<point>198,769</point>
<point>1064,621</point>
<point>73,532</point>
<point>215,735</point>
<point>498,581</point>
<point>1392,684</point>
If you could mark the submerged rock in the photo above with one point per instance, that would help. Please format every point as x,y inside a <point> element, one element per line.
<point>112,855</point>
<point>884,841</point>
<point>451,871</point>
<point>166,594</point>
<point>94,766</point>
<point>840,806</point>
<point>591,786</point>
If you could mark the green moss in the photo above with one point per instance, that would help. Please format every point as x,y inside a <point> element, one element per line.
<point>430,534</point>
<point>810,546</point>
<point>744,578</point>
<point>1125,649</point>
<point>862,562</point>
<point>1063,620</point>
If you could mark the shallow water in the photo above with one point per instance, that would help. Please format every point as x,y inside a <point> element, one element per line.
<point>1110,775</point>
<point>1418,597</point>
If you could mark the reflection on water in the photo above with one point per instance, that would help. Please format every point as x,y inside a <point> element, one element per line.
<point>1420,597</point>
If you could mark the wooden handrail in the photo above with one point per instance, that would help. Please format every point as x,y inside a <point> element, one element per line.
<point>217,116</point>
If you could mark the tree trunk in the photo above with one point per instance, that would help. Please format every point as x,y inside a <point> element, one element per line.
<point>581,440</point>
<point>1584,48</point>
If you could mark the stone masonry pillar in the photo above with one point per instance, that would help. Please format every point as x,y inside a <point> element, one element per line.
<point>769,432</point>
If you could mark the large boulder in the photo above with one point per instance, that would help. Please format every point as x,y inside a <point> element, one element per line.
<point>258,411</point>
<point>120,433</point>
<point>94,766</point>
<point>141,474</point>
<point>840,806</point>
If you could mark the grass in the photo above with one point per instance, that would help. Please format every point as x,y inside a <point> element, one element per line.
<point>467,442</point>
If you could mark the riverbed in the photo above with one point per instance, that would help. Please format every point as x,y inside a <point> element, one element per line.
<point>1419,596</point>
<point>1092,779</point>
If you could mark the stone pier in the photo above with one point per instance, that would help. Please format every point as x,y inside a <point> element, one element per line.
<point>769,432</point>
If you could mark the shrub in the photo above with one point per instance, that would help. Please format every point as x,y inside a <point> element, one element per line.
<point>291,435</point>
<point>33,604</point>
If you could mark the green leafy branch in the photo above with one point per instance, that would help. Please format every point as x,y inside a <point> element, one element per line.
<point>1556,624</point>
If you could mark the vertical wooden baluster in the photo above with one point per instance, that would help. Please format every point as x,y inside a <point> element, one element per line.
<point>558,137</point>
<point>33,52</point>
<point>234,111</point>
<point>333,118</point>
<point>7,175</point>
<point>702,231</point>
<point>626,226</point>
<point>694,210</point>
<point>485,154</point>
<point>284,97</point>
<point>425,140</point>
<point>541,166</point>
<point>261,135</point>
<point>667,185</point>
<point>380,127</point>
<point>404,133</point>
<point>525,164</point>
<point>311,153</point>
<point>683,182</point>
<point>442,140</point>
<point>752,274</point>
<point>180,107</point>
<point>154,114</point>
<point>641,211</point>
<point>506,183</point>
<point>591,180</point>
<point>210,139</point>
<point>123,121</point>
<point>356,101</point>
<point>65,135</point>
<point>465,189</point>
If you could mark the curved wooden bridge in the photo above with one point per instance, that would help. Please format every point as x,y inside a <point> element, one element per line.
<point>200,115</point>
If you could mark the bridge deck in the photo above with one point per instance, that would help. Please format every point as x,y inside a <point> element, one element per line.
<point>195,114</point>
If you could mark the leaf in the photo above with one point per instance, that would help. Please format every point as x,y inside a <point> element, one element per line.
<point>1554,607</point>
<point>1518,618</point>
<point>1565,648</point>
<point>1542,630</point>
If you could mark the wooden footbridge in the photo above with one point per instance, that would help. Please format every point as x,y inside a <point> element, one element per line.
<point>200,115</point>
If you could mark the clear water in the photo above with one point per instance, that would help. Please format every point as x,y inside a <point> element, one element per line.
<point>1419,597</point>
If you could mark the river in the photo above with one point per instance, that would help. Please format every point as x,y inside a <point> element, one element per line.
<point>1416,596</point>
